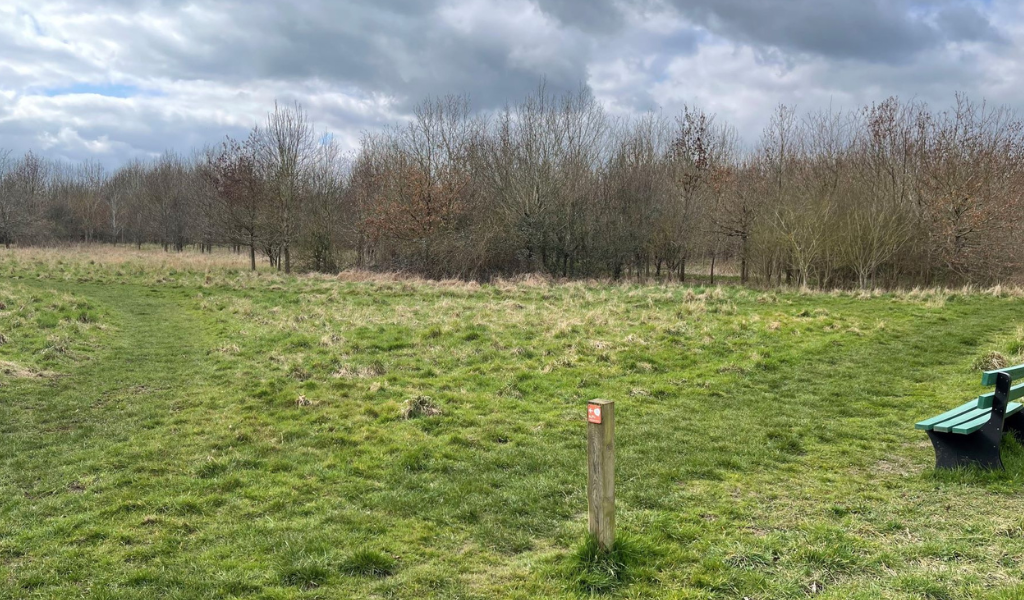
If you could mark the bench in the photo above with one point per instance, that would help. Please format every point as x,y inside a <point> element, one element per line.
<point>971,433</point>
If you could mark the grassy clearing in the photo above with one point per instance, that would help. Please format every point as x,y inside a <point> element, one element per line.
<point>219,433</point>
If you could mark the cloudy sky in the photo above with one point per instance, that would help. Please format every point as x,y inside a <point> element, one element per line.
<point>111,79</point>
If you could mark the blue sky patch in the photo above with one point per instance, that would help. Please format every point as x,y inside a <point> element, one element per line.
<point>112,90</point>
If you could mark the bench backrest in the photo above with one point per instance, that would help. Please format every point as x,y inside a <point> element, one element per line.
<point>990,377</point>
<point>1003,395</point>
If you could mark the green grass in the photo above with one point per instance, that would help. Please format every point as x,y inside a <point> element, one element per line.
<point>210,433</point>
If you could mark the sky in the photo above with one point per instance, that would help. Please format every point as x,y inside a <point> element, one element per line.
<point>110,80</point>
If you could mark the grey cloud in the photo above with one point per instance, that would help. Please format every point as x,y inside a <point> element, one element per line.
<point>325,53</point>
<point>598,16</point>
<point>398,47</point>
<point>874,30</point>
<point>403,47</point>
<point>966,23</point>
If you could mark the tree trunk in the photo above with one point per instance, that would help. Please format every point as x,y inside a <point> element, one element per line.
<point>743,261</point>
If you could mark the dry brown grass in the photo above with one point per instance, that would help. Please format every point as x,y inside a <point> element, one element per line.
<point>154,261</point>
<point>990,361</point>
<point>13,370</point>
<point>151,257</point>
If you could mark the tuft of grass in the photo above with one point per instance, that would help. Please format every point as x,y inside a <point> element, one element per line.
<point>305,572</point>
<point>594,570</point>
<point>369,563</point>
<point>990,361</point>
<point>420,406</point>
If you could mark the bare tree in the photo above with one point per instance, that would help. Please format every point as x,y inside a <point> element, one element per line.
<point>634,218</point>
<point>326,219</point>
<point>241,204</point>
<point>120,191</point>
<point>878,208</point>
<point>892,194</point>
<point>287,143</point>
<point>22,187</point>
<point>972,167</point>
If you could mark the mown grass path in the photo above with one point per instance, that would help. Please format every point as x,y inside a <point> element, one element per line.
<point>153,360</point>
<point>244,440</point>
<point>75,446</point>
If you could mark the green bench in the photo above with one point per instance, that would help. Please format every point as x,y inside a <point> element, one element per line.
<point>971,433</point>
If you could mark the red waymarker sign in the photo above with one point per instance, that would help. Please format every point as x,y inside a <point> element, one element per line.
<point>593,413</point>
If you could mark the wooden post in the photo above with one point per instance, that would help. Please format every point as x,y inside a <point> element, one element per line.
<point>601,471</point>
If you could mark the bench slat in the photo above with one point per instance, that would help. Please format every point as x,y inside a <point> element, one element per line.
<point>949,424</point>
<point>972,426</point>
<point>974,420</point>
<point>928,424</point>
<point>1016,393</point>
<point>989,377</point>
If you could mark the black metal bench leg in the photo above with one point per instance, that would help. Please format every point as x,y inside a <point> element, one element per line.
<point>1015,425</point>
<point>953,450</point>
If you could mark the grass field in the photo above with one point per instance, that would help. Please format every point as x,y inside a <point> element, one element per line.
<point>177,427</point>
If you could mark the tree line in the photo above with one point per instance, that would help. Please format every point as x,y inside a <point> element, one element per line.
<point>893,194</point>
